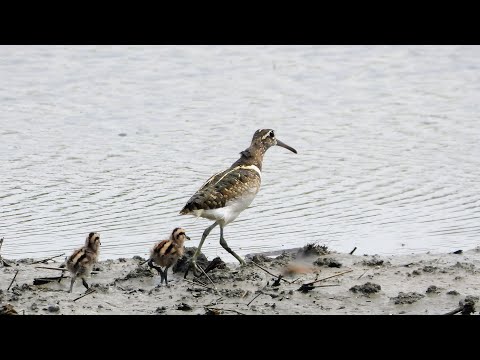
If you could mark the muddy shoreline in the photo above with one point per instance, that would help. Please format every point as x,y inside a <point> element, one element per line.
<point>288,283</point>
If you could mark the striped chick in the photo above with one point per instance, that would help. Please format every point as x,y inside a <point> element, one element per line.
<point>167,252</point>
<point>81,262</point>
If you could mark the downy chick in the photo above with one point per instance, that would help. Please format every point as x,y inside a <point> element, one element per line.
<point>81,262</point>
<point>167,252</point>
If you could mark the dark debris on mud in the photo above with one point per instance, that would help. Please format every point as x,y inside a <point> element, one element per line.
<point>329,262</point>
<point>260,259</point>
<point>453,292</point>
<point>138,272</point>
<point>184,307</point>
<point>184,262</point>
<point>8,309</point>
<point>313,249</point>
<point>367,288</point>
<point>432,289</point>
<point>374,261</point>
<point>407,298</point>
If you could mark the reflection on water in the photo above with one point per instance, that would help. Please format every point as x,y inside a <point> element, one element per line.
<point>115,139</point>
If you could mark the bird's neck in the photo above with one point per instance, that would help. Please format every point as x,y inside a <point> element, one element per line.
<point>179,242</point>
<point>253,155</point>
<point>91,249</point>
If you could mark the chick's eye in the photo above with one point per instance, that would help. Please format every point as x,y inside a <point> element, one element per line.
<point>272,135</point>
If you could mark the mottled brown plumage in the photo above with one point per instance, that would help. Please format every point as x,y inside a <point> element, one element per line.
<point>80,263</point>
<point>223,187</point>
<point>226,194</point>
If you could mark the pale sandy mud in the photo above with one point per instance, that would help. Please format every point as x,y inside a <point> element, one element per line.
<point>423,284</point>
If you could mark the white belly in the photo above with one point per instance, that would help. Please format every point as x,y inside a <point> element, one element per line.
<point>231,210</point>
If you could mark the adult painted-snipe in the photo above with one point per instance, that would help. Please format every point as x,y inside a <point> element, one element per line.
<point>226,194</point>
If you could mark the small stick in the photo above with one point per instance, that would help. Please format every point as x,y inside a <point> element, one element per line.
<point>453,312</point>
<point>46,280</point>
<point>307,287</point>
<point>13,280</point>
<point>208,277</point>
<point>277,276</point>
<point>328,277</point>
<point>45,260</point>
<point>1,243</point>
<point>254,298</point>
<point>201,284</point>
<point>198,281</point>
<point>363,274</point>
<point>87,293</point>
<point>351,252</point>
<point>61,269</point>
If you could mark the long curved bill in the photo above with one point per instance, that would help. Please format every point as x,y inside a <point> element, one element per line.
<point>279,143</point>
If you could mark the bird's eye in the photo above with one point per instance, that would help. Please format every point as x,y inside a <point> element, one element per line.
<point>272,135</point>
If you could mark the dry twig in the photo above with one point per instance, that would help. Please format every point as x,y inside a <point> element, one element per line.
<point>309,286</point>
<point>12,280</point>
<point>87,293</point>
<point>277,276</point>
<point>45,260</point>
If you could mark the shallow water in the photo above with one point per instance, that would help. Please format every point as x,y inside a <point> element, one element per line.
<point>116,139</point>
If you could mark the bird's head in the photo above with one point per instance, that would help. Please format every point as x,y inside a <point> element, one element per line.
<point>93,241</point>
<point>265,138</point>
<point>178,235</point>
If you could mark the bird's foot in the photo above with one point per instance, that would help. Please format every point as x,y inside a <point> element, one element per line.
<point>194,267</point>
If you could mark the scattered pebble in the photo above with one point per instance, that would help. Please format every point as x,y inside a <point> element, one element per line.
<point>432,289</point>
<point>53,308</point>
<point>161,310</point>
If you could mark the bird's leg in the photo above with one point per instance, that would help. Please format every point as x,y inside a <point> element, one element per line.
<point>193,261</point>
<point>165,276</point>
<point>84,282</point>
<point>159,270</point>
<point>226,247</point>
<point>74,277</point>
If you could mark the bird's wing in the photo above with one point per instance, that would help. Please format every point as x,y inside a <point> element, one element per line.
<point>157,249</point>
<point>224,186</point>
